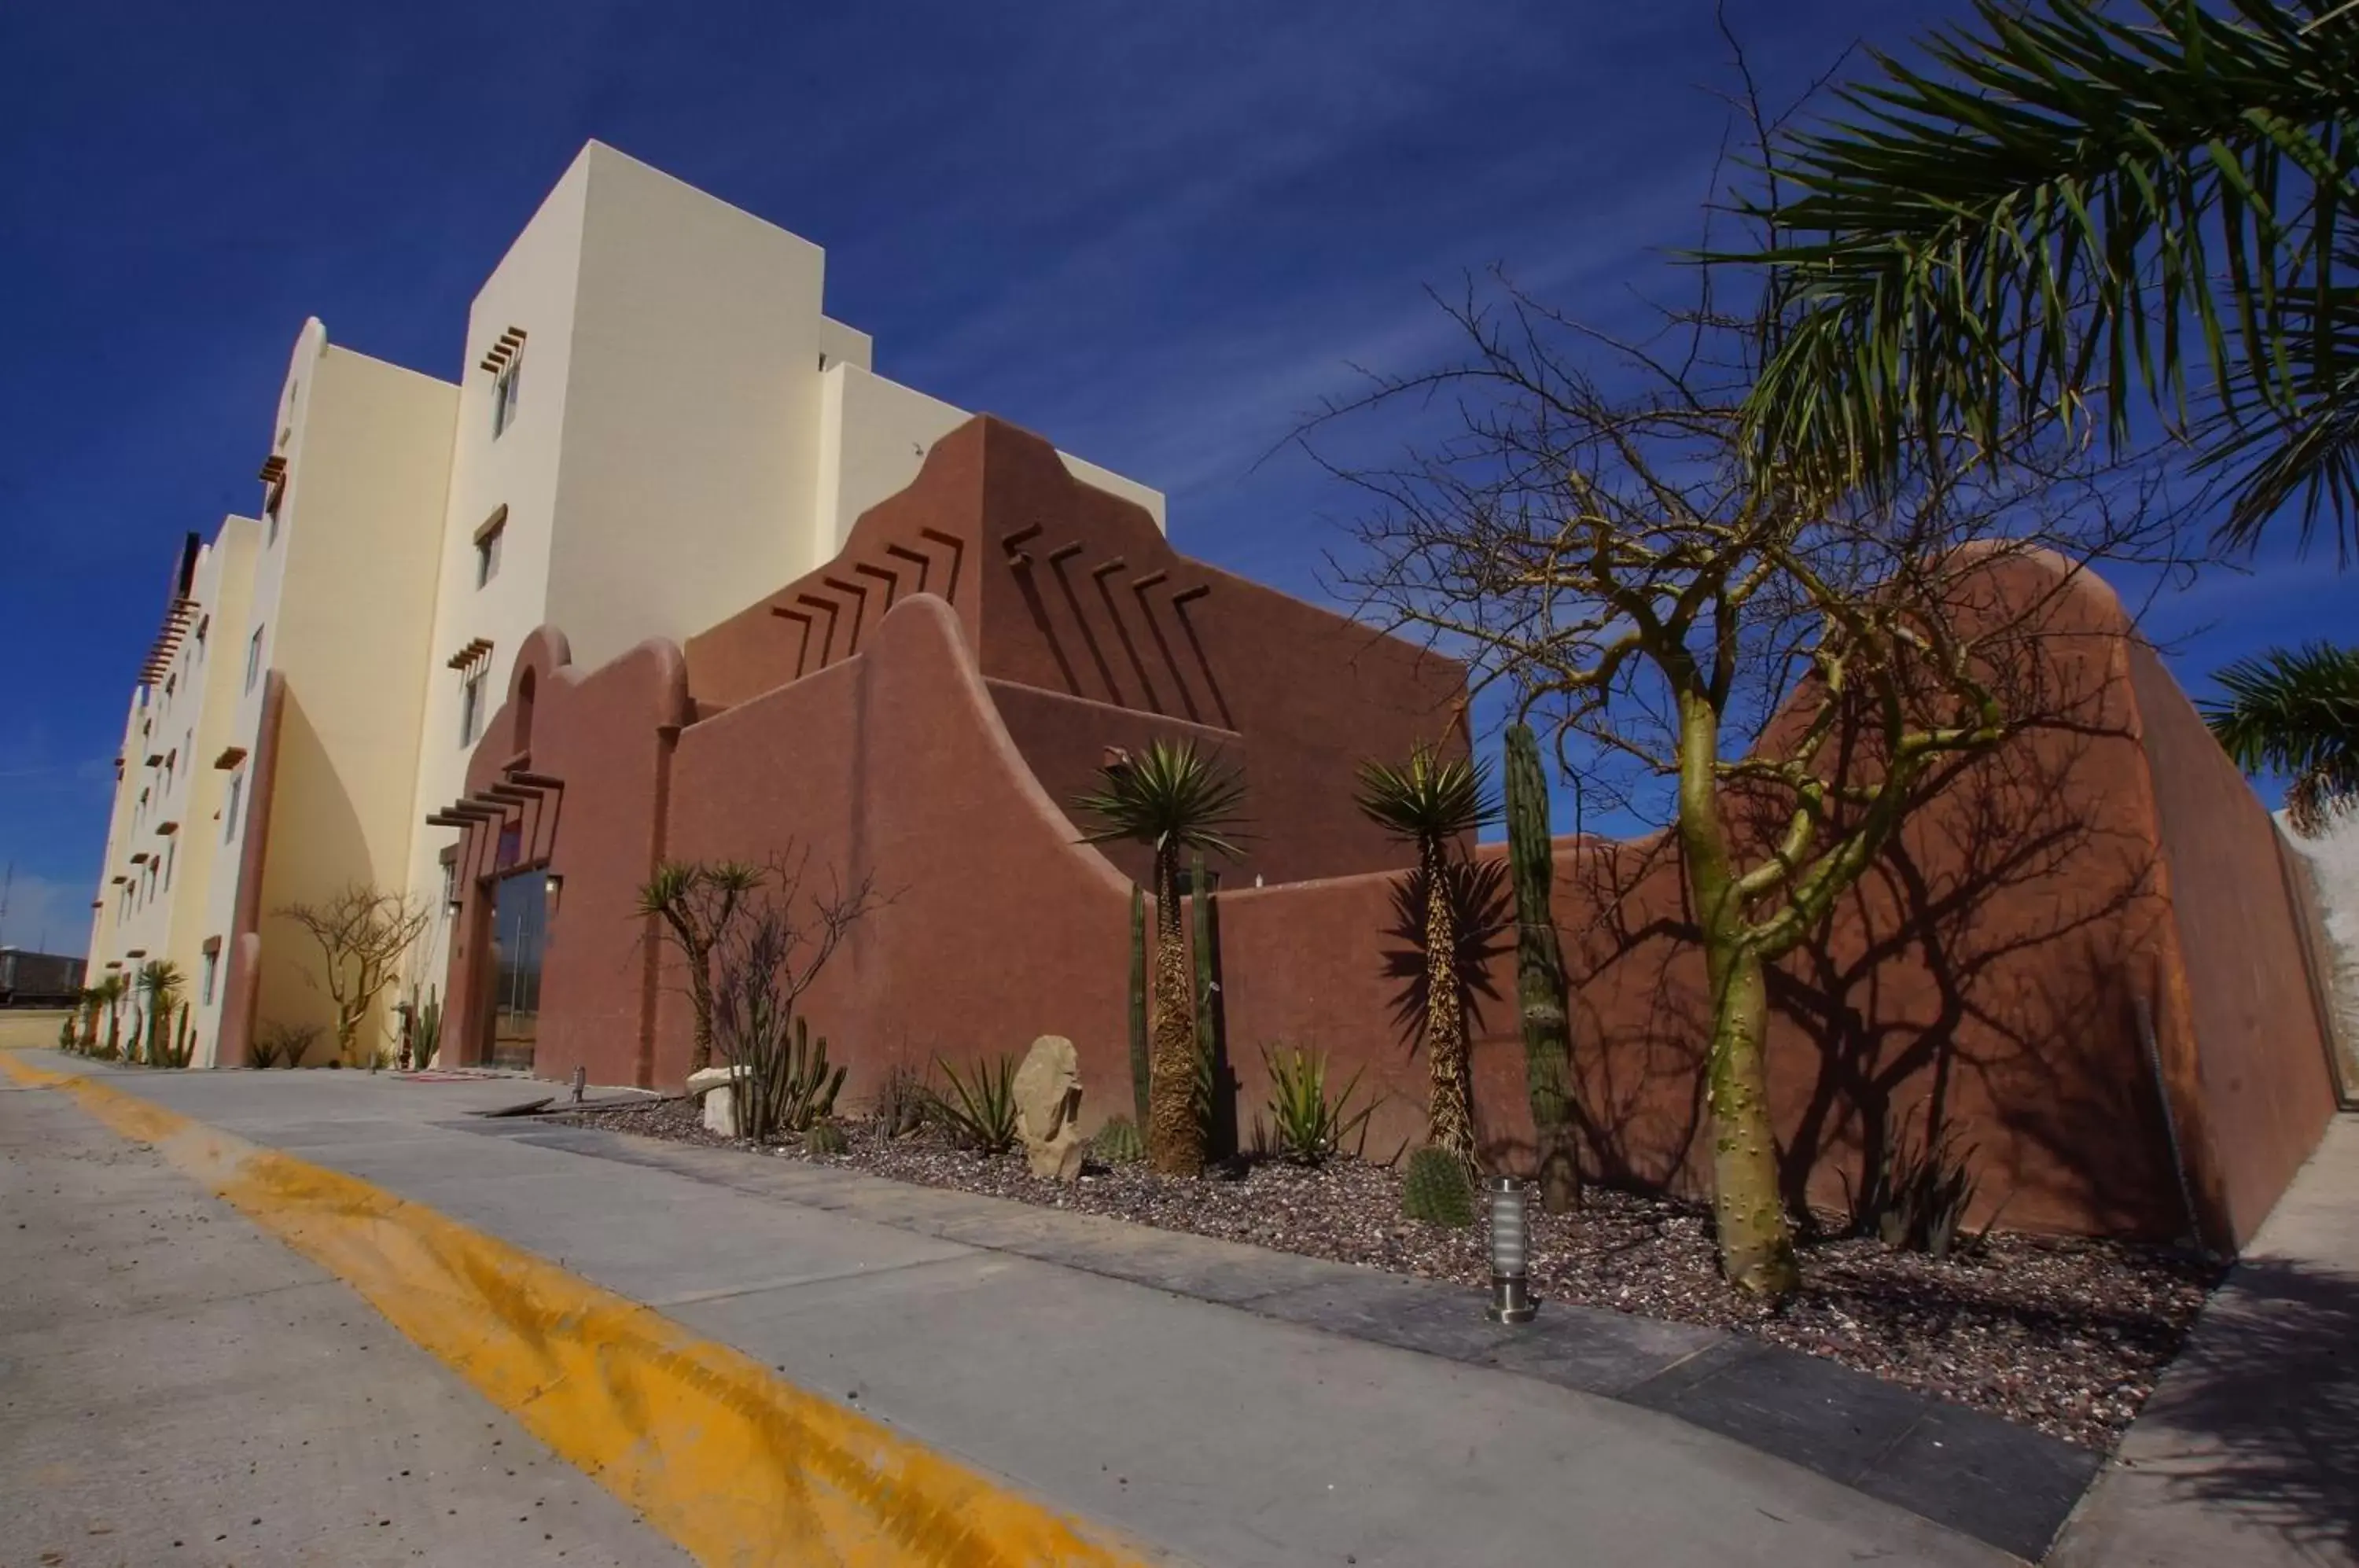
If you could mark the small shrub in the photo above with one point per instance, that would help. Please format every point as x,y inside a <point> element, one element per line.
<point>66,1039</point>
<point>1307,1125</point>
<point>827,1139</point>
<point>978,1112</point>
<point>1437,1190</point>
<point>1118,1143</point>
<point>900,1101</point>
<point>1915,1197</point>
<point>281,1045</point>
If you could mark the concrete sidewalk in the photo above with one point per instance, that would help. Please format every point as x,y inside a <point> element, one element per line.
<point>2249,1452</point>
<point>1224,1437</point>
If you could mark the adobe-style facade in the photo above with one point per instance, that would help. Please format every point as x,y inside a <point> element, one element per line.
<point>653,411</point>
<point>669,576</point>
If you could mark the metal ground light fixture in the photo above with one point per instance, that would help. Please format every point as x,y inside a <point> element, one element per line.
<point>1511,1292</point>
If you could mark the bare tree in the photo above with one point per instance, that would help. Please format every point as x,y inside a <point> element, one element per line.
<point>363,932</point>
<point>698,903</point>
<point>781,931</point>
<point>1781,675</point>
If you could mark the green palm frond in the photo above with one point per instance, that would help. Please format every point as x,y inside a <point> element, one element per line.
<point>1168,795</point>
<point>1430,799</point>
<point>160,981</point>
<point>2070,206</point>
<point>2295,711</point>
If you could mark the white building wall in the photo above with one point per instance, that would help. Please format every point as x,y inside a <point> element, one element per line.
<point>692,412</point>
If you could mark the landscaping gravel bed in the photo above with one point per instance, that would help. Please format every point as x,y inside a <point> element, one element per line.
<point>2066,1336</point>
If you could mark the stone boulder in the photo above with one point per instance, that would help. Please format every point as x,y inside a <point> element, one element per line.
<point>717,1085</point>
<point>1048,1103</point>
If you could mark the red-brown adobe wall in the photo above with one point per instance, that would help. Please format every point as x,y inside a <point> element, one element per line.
<point>604,734</point>
<point>2010,953</point>
<point>895,765</point>
<point>1092,631</point>
<point>2261,1090</point>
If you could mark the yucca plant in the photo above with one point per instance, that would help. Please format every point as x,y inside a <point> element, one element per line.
<point>698,904</point>
<point>1177,801</point>
<point>114,989</point>
<point>2068,203</point>
<point>979,1111</point>
<point>160,982</point>
<point>1306,1124</point>
<point>2295,711</point>
<point>1432,801</point>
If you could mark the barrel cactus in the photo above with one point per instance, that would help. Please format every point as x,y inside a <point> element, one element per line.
<point>826,1138</point>
<point>1436,1188</point>
<point>1118,1142</point>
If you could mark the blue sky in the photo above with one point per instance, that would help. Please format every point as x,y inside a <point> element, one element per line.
<point>1157,234</point>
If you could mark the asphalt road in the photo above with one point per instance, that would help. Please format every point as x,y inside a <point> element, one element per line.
<point>176,1388</point>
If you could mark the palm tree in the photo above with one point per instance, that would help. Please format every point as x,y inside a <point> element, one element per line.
<point>2295,712</point>
<point>2077,204</point>
<point>1432,802</point>
<point>111,992</point>
<point>1176,802</point>
<point>159,992</point>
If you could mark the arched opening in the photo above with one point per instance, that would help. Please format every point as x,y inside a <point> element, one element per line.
<point>524,711</point>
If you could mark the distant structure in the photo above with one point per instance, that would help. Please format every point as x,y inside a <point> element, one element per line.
<point>38,979</point>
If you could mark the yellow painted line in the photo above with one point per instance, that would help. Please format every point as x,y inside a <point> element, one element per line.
<point>737,1465</point>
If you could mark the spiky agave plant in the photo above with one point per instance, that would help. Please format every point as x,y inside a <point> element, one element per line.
<point>1175,801</point>
<point>160,982</point>
<point>1432,801</point>
<point>2295,711</point>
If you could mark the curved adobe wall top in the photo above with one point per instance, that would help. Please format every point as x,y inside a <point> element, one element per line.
<point>1090,631</point>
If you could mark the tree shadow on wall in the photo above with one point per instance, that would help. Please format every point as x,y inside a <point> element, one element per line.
<point>1992,941</point>
<point>1484,903</point>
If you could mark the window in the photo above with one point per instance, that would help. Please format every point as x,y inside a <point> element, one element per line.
<point>172,854</point>
<point>504,395</point>
<point>204,625</point>
<point>487,547</point>
<point>213,961</point>
<point>471,708</point>
<point>229,812</point>
<point>254,659</point>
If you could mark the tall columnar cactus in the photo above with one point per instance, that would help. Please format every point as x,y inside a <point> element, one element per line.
<point>1210,1064</point>
<point>1138,1058</point>
<point>1540,990</point>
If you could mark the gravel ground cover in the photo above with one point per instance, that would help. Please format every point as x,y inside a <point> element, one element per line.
<point>2066,1336</point>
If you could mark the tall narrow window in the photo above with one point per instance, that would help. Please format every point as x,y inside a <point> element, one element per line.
<point>254,659</point>
<point>487,545</point>
<point>172,854</point>
<point>229,812</point>
<point>471,707</point>
<point>213,963</point>
<point>504,395</point>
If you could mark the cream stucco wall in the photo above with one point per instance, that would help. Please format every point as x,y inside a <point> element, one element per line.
<point>370,462</point>
<point>691,411</point>
<point>689,424</point>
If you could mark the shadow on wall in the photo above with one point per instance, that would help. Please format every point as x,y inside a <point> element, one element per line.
<point>316,848</point>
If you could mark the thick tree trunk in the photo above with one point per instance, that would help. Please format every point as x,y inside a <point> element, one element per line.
<point>1175,1133</point>
<point>1449,1111</point>
<point>1756,1246</point>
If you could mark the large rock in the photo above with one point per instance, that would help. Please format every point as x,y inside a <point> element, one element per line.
<point>718,1085</point>
<point>1048,1103</point>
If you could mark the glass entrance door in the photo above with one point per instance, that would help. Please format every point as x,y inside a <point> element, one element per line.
<point>519,929</point>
